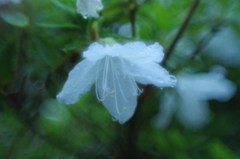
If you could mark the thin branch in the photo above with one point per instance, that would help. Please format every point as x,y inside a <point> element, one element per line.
<point>205,41</point>
<point>133,11</point>
<point>180,32</point>
<point>148,90</point>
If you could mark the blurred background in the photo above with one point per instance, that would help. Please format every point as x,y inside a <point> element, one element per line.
<point>42,40</point>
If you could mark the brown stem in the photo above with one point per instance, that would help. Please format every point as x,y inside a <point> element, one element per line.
<point>133,11</point>
<point>180,32</point>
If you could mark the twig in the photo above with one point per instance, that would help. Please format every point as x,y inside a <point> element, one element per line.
<point>180,32</point>
<point>205,41</point>
<point>133,11</point>
<point>148,89</point>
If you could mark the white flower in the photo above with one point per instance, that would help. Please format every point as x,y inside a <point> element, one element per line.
<point>115,70</point>
<point>225,47</point>
<point>190,100</point>
<point>125,30</point>
<point>89,8</point>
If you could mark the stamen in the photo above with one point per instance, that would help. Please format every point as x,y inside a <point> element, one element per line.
<point>119,85</point>
<point>133,83</point>
<point>114,86</point>
<point>96,81</point>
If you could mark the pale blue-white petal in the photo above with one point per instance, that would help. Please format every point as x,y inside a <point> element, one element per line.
<point>168,106</point>
<point>225,47</point>
<point>136,52</point>
<point>208,86</point>
<point>140,53</point>
<point>79,82</point>
<point>152,73</point>
<point>193,113</point>
<point>116,88</point>
<point>89,8</point>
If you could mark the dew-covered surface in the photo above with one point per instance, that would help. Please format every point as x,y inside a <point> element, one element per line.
<point>50,58</point>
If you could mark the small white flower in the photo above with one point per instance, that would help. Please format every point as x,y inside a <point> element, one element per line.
<point>190,99</point>
<point>125,30</point>
<point>89,8</point>
<point>225,47</point>
<point>115,70</point>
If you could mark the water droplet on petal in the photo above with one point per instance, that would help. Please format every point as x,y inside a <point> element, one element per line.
<point>172,78</point>
<point>114,119</point>
<point>121,122</point>
<point>160,81</point>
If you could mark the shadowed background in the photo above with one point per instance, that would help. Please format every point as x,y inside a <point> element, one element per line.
<point>41,41</point>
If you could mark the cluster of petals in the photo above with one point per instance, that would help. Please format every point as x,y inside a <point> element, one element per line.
<point>115,70</point>
<point>190,98</point>
<point>89,8</point>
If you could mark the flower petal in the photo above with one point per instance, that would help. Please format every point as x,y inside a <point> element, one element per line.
<point>89,7</point>
<point>208,86</point>
<point>140,53</point>
<point>116,88</point>
<point>137,52</point>
<point>152,73</point>
<point>167,108</point>
<point>79,82</point>
<point>193,113</point>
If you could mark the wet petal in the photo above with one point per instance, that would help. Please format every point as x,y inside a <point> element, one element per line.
<point>136,52</point>
<point>79,82</point>
<point>152,73</point>
<point>193,113</point>
<point>89,8</point>
<point>167,108</point>
<point>140,53</point>
<point>116,88</point>
<point>208,86</point>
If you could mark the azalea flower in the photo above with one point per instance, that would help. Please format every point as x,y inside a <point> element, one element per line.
<point>115,70</point>
<point>230,55</point>
<point>125,30</point>
<point>89,8</point>
<point>190,99</point>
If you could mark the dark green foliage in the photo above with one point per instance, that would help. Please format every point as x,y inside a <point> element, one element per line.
<point>41,41</point>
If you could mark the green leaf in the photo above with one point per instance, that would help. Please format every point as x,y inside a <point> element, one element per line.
<point>64,6</point>
<point>58,25</point>
<point>15,18</point>
<point>220,151</point>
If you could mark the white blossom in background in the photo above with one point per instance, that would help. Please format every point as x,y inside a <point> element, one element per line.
<point>89,8</point>
<point>115,70</point>
<point>125,30</point>
<point>225,47</point>
<point>190,99</point>
<point>2,2</point>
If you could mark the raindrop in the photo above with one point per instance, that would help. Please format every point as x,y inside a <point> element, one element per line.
<point>121,122</point>
<point>172,78</point>
<point>160,81</point>
<point>84,17</point>
<point>114,119</point>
